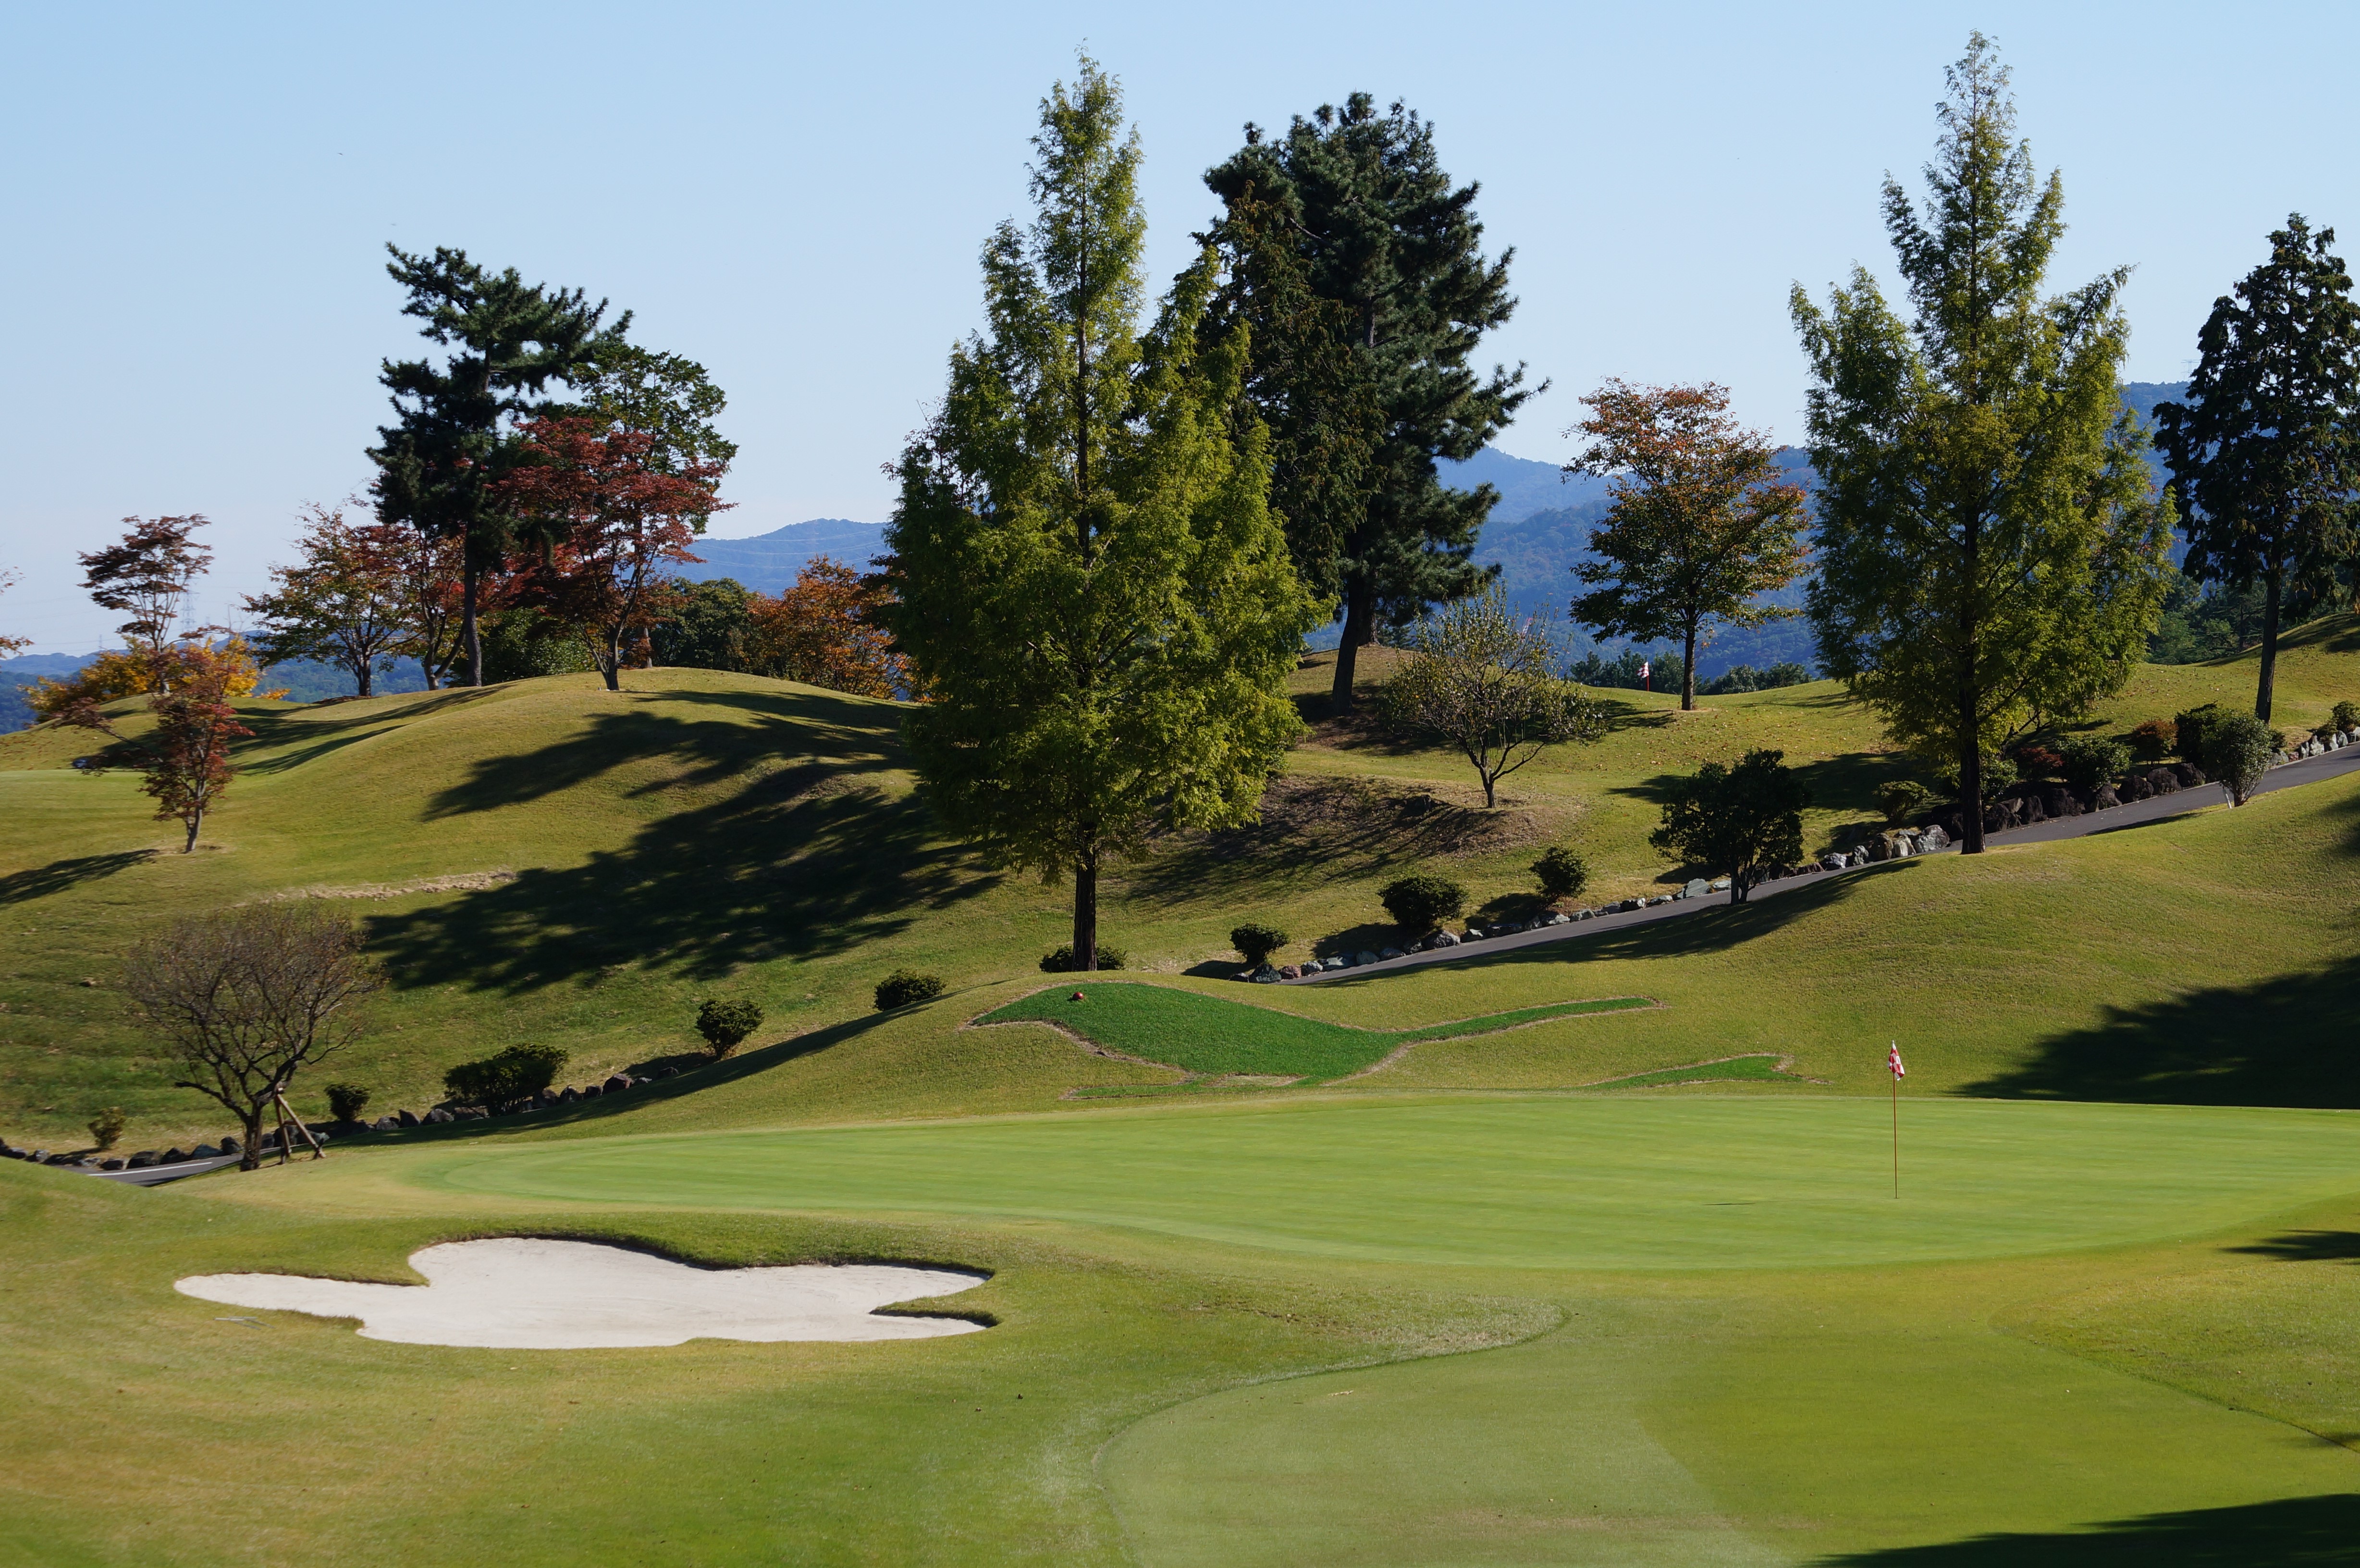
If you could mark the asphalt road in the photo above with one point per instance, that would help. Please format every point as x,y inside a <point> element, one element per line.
<point>2139,813</point>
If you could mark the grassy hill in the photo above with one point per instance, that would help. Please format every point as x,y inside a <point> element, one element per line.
<point>546,861</point>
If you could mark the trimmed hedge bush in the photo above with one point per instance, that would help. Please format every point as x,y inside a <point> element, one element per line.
<point>1902,798</point>
<point>905,986</point>
<point>347,1101</point>
<point>1256,942</point>
<point>1561,873</point>
<point>725,1025</point>
<point>2092,760</point>
<point>1421,903</point>
<point>1059,959</point>
<point>515,1073</point>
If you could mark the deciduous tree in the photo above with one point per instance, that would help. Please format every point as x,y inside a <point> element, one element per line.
<point>827,630</point>
<point>1482,680</point>
<point>439,463</point>
<point>616,524</point>
<point>347,601</point>
<point>2265,451</point>
<point>248,997</point>
<point>188,767</point>
<point>1377,231</point>
<point>146,576</point>
<point>1701,525</point>
<point>1086,576</point>
<point>1991,553</point>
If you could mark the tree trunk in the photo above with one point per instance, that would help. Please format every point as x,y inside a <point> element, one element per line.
<point>196,821</point>
<point>611,666</point>
<point>361,673</point>
<point>1688,669</point>
<point>1359,626</point>
<point>470,639</point>
<point>250,1158</point>
<point>2262,695</point>
<point>1085,909</point>
<point>1970,781</point>
<point>1489,781</point>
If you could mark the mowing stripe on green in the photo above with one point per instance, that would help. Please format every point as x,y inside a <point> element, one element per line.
<point>1210,1034</point>
<point>1756,1069</point>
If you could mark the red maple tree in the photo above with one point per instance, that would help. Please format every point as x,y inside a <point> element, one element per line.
<point>823,632</point>
<point>188,767</point>
<point>613,522</point>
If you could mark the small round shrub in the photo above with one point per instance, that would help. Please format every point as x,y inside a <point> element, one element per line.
<point>1059,959</point>
<point>1997,774</point>
<point>2345,716</point>
<point>1561,873</point>
<point>1256,942</point>
<point>106,1128</point>
<point>905,986</point>
<point>1901,799</point>
<point>347,1101</point>
<point>725,1025</point>
<point>2090,760</point>
<point>2154,740</point>
<point>1421,903</point>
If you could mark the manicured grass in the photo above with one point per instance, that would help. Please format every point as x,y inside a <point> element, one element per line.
<point>1884,1390</point>
<point>1555,1182</point>
<point>1214,1035</point>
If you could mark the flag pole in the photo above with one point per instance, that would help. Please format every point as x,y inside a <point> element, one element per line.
<point>1894,1070</point>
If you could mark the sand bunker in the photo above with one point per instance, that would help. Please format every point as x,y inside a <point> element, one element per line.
<point>514,1293</point>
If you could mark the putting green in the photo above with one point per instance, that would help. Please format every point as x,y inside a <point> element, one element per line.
<point>1525,1182</point>
<point>1215,1035</point>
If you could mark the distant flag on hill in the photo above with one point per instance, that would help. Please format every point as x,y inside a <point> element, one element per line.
<point>1644,666</point>
<point>1892,1060</point>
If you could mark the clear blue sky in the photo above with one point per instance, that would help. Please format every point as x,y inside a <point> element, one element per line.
<point>198,198</point>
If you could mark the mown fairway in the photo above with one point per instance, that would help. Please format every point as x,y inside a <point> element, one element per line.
<point>1536,1183</point>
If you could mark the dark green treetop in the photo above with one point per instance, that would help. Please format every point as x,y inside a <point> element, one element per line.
<point>1374,228</point>
<point>2265,452</point>
<point>451,439</point>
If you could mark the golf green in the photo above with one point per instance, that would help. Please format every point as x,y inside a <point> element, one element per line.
<point>1536,1182</point>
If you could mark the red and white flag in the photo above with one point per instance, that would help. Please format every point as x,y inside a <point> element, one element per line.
<point>1892,1060</point>
<point>1642,672</point>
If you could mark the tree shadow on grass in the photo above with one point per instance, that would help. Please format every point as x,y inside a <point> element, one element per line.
<point>841,733</point>
<point>2281,1041</point>
<point>772,872</point>
<point>2289,1532</point>
<point>23,887</point>
<point>2307,1247</point>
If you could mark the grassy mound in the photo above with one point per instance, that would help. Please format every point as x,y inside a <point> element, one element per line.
<point>1213,1035</point>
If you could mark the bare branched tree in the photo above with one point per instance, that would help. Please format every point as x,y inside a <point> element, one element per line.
<point>248,997</point>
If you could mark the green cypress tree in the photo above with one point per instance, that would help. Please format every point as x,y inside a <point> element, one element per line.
<point>1374,228</point>
<point>1992,555</point>
<point>452,439</point>
<point>1096,602</point>
<point>2264,452</point>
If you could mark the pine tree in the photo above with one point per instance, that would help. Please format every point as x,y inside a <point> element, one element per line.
<point>439,464</point>
<point>1370,226</point>
<point>1086,577</point>
<point>2264,452</point>
<point>1992,555</point>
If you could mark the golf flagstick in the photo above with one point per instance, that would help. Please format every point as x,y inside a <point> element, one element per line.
<point>1893,1063</point>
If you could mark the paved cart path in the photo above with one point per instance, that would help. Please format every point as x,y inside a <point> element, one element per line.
<point>2310,770</point>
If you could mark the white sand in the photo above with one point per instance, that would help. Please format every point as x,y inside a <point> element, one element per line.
<point>515,1293</point>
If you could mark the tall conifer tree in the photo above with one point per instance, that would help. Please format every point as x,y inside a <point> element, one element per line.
<point>437,464</point>
<point>1086,576</point>
<point>2264,452</point>
<point>1372,226</point>
<point>1992,555</point>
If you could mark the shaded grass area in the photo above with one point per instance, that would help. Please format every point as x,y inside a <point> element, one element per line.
<point>1213,1035</point>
